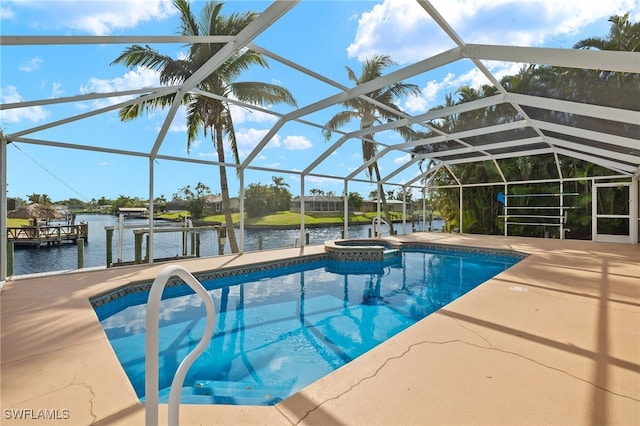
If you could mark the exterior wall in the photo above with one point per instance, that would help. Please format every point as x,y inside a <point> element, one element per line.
<point>318,204</point>
<point>13,204</point>
<point>394,206</point>
<point>214,205</point>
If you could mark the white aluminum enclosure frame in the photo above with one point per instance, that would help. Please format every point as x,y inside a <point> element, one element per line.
<point>620,154</point>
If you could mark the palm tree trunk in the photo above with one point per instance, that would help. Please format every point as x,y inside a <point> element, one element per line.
<point>383,198</point>
<point>224,190</point>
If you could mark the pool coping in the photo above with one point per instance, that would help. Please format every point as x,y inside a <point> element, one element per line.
<point>357,250</point>
<point>528,366</point>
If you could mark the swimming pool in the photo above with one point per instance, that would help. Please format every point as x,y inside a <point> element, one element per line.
<point>278,329</point>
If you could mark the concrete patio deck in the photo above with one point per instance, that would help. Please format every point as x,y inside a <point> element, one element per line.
<point>564,352</point>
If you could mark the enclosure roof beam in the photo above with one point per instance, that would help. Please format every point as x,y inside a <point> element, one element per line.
<point>587,110</point>
<point>611,139</point>
<point>88,114</point>
<point>605,153</point>
<point>626,169</point>
<point>608,60</point>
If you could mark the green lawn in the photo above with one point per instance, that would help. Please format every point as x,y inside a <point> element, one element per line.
<point>289,218</point>
<point>276,219</point>
<point>17,223</point>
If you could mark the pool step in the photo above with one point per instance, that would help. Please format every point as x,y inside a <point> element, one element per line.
<point>233,393</point>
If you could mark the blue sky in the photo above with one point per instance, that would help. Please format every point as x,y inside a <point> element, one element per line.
<point>323,36</point>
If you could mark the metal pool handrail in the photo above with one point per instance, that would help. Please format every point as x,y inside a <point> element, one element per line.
<point>377,226</point>
<point>151,344</point>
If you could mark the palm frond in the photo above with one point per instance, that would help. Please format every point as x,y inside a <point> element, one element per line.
<point>188,24</point>
<point>338,121</point>
<point>131,112</point>
<point>259,93</point>
<point>139,56</point>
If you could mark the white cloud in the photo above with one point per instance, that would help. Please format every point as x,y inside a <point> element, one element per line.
<point>248,139</point>
<point>401,160</point>
<point>179,125</point>
<point>12,116</point>
<point>6,13</point>
<point>434,90</point>
<point>56,90</point>
<point>208,155</point>
<point>294,143</point>
<point>92,17</point>
<point>134,79</point>
<point>31,65</point>
<point>195,144</point>
<point>243,115</point>
<point>416,36</point>
<point>318,181</point>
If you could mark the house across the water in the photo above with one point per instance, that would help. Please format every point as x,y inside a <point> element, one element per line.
<point>133,211</point>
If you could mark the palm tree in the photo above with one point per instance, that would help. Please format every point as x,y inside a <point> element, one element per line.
<point>370,114</point>
<point>205,113</point>
<point>623,36</point>
<point>610,88</point>
<point>278,187</point>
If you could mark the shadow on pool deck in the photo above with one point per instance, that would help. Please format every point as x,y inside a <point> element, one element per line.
<point>565,351</point>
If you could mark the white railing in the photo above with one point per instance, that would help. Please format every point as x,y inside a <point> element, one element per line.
<point>377,226</point>
<point>151,344</point>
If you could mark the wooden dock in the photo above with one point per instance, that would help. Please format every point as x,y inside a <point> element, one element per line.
<point>48,235</point>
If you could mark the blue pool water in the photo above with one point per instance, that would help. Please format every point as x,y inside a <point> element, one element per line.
<point>279,330</point>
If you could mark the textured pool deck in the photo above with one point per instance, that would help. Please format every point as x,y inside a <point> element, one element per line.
<point>554,340</point>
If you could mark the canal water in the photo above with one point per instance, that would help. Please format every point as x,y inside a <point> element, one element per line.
<point>64,257</point>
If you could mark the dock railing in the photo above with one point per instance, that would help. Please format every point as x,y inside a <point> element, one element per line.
<point>36,235</point>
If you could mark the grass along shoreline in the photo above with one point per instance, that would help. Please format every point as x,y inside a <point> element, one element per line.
<point>286,219</point>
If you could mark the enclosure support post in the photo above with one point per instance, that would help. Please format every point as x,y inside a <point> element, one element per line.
<point>594,211</point>
<point>562,210</point>
<point>120,236</point>
<point>424,208</point>
<point>345,230</point>
<point>634,194</point>
<point>241,208</point>
<point>506,203</point>
<point>302,202</point>
<point>151,211</point>
<point>460,230</point>
<point>404,209</point>
<point>3,209</point>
